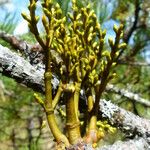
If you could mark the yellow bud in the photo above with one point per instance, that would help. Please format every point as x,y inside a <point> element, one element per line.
<point>121,35</point>
<point>73,1</point>
<point>88,6</point>
<point>88,67</point>
<point>44,20</point>
<point>94,16</point>
<point>33,5</point>
<point>101,134</point>
<point>91,29</point>
<point>107,54</point>
<point>81,123</point>
<point>52,10</point>
<point>112,130</point>
<point>86,60</point>
<point>38,99</point>
<point>97,26</point>
<point>57,6</point>
<point>78,16</point>
<point>64,19</point>
<point>94,72</point>
<point>115,28</point>
<point>61,70</point>
<point>90,37</point>
<point>25,17</point>
<point>91,13</point>
<point>83,72</point>
<point>43,124</point>
<point>114,64</point>
<point>114,75</point>
<point>122,46</point>
<point>111,43</point>
<point>121,27</point>
<point>117,53</point>
<point>70,16</point>
<point>94,145</point>
<point>37,18</point>
<point>103,33</point>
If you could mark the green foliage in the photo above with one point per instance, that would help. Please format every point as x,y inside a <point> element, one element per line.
<point>28,37</point>
<point>15,110</point>
<point>9,23</point>
<point>123,9</point>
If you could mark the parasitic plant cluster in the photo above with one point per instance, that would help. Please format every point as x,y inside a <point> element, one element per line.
<point>79,42</point>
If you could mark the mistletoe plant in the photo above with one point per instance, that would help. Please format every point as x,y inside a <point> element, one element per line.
<point>78,41</point>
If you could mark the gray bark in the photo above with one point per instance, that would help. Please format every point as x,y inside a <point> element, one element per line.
<point>131,124</point>
<point>141,64</point>
<point>16,67</point>
<point>136,144</point>
<point>128,94</point>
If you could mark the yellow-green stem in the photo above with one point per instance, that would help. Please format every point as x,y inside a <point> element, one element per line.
<point>76,98</point>
<point>59,137</point>
<point>72,121</point>
<point>90,103</point>
<point>48,89</point>
<point>92,127</point>
<point>92,124</point>
<point>57,96</point>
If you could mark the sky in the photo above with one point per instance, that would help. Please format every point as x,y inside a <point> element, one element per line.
<point>17,6</point>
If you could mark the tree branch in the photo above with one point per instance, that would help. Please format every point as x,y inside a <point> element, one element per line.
<point>134,26</point>
<point>34,53</point>
<point>131,124</point>
<point>14,66</point>
<point>128,94</point>
<point>129,33</point>
<point>141,64</point>
<point>136,144</point>
<point>28,50</point>
<point>7,56</point>
<point>16,43</point>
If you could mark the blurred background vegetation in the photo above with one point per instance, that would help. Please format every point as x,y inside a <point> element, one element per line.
<point>22,120</point>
